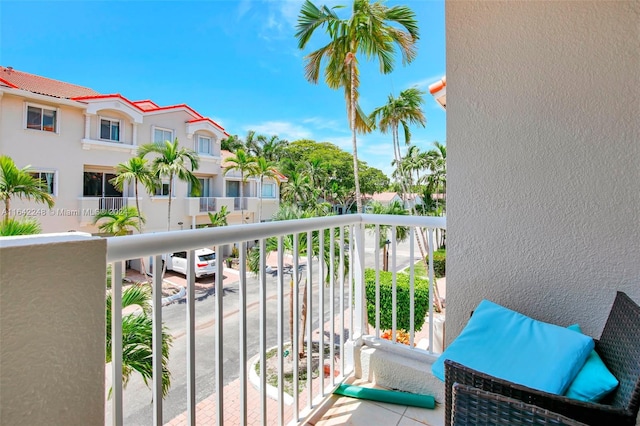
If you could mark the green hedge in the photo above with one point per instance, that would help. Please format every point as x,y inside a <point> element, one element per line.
<point>439,262</point>
<point>421,301</point>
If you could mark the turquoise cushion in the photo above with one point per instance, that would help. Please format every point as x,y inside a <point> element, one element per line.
<point>594,381</point>
<point>511,346</point>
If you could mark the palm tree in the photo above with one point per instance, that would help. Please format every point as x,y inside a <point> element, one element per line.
<point>264,169</point>
<point>219,218</point>
<point>245,164</point>
<point>137,337</point>
<point>15,182</point>
<point>232,143</point>
<point>437,163</point>
<point>11,227</point>
<point>273,147</point>
<point>368,31</point>
<point>298,189</point>
<point>135,170</point>
<point>171,162</point>
<point>119,222</point>
<point>401,111</point>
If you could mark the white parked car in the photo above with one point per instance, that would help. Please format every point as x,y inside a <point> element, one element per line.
<point>205,262</point>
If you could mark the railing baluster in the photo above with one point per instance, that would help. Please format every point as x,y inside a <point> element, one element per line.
<point>242,326</point>
<point>332,306</point>
<point>309,319</point>
<point>394,286</point>
<point>295,348</point>
<point>219,336</point>
<point>377,257</point>
<point>191,338</point>
<point>411,288</point>
<point>352,263</point>
<point>116,344</point>
<point>321,309</point>
<point>156,306</point>
<point>280,328</point>
<point>341,272</point>
<point>431,287</point>
<point>263,332</point>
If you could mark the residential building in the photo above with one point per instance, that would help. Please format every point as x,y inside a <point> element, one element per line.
<point>387,198</point>
<point>73,137</point>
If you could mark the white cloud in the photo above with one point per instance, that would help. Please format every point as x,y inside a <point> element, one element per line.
<point>284,130</point>
<point>329,124</point>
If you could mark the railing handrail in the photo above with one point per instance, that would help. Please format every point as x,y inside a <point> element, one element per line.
<point>142,245</point>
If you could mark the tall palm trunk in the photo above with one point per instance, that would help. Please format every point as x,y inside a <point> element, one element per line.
<point>242,197</point>
<point>356,174</point>
<point>420,238</point>
<point>7,209</point>
<point>142,267</point>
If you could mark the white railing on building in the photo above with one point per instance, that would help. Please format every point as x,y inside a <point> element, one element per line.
<point>207,204</point>
<point>112,203</point>
<point>341,242</point>
<point>240,203</point>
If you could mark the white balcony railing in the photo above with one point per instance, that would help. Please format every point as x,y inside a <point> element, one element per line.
<point>207,204</point>
<point>112,203</point>
<point>336,310</point>
<point>240,203</point>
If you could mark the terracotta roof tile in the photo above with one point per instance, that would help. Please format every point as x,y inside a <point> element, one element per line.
<point>43,85</point>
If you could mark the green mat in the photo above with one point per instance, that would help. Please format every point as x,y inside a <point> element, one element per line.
<point>393,397</point>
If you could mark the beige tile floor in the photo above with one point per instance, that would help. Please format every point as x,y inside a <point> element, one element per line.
<point>358,412</point>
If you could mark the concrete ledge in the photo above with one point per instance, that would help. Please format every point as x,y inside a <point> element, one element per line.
<point>393,370</point>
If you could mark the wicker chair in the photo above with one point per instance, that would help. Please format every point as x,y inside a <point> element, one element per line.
<point>619,348</point>
<point>475,407</point>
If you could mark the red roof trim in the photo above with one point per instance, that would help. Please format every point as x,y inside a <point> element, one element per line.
<point>438,85</point>
<point>13,86</point>
<point>157,108</point>
<point>146,101</point>
<point>196,120</point>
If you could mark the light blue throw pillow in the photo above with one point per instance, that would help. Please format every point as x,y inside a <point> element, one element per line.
<point>594,381</point>
<point>511,346</point>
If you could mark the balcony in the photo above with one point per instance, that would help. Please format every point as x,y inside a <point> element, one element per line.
<point>90,206</point>
<point>215,349</point>
<point>202,205</point>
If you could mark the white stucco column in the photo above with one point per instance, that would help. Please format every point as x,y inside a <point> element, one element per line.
<point>87,126</point>
<point>52,311</point>
<point>134,140</point>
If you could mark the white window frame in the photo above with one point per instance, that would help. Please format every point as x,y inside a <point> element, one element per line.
<point>56,131</point>
<point>198,137</point>
<point>55,178</point>
<point>165,181</point>
<point>120,130</point>
<point>272,185</point>
<point>154,128</point>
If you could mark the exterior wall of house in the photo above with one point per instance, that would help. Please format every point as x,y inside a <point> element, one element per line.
<point>543,158</point>
<point>53,330</point>
<point>72,151</point>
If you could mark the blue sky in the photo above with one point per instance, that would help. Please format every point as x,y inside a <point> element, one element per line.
<point>234,61</point>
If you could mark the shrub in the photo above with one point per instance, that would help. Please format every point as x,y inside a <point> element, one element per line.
<point>421,301</point>
<point>439,262</point>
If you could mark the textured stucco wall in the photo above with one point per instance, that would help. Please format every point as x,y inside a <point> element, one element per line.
<point>52,331</point>
<point>543,136</point>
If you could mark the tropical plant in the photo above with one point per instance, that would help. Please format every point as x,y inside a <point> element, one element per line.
<point>272,148</point>
<point>232,143</point>
<point>171,162</point>
<point>400,112</point>
<point>135,170</point>
<point>245,164</point>
<point>119,222</point>
<point>298,190</point>
<point>10,227</point>
<point>374,30</point>
<point>20,183</point>
<point>263,169</point>
<point>137,337</point>
<point>437,163</point>
<point>219,218</point>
